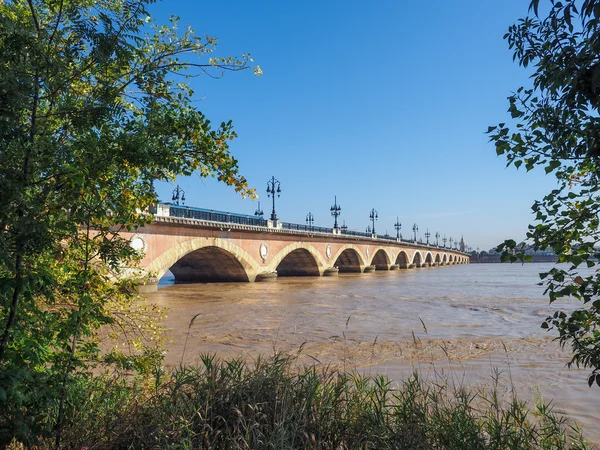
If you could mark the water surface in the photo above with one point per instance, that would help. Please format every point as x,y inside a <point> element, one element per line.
<point>461,322</point>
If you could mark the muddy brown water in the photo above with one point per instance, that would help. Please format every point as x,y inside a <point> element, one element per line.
<point>462,323</point>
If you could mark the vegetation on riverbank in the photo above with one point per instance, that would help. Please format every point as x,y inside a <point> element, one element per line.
<point>554,126</point>
<point>271,404</point>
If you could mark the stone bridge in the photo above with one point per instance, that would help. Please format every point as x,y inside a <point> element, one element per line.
<point>204,251</point>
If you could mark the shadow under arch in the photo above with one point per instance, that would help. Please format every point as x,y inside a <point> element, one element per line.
<point>428,259</point>
<point>348,259</point>
<point>208,264</point>
<point>402,260</point>
<point>437,258</point>
<point>417,259</point>
<point>212,259</point>
<point>297,260</point>
<point>381,260</point>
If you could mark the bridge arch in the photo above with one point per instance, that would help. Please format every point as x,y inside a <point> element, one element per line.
<point>417,259</point>
<point>381,260</point>
<point>205,259</point>
<point>428,259</point>
<point>298,259</point>
<point>438,260</point>
<point>349,259</point>
<point>403,259</point>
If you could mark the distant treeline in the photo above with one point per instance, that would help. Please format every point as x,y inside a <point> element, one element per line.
<point>496,258</point>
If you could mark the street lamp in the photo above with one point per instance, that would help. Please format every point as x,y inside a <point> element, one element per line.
<point>368,229</point>
<point>398,227</point>
<point>335,212</point>
<point>373,216</point>
<point>310,219</point>
<point>273,187</point>
<point>415,228</point>
<point>259,212</point>
<point>437,239</point>
<point>344,228</point>
<point>177,194</point>
<point>451,240</point>
<point>427,234</point>
<point>444,241</point>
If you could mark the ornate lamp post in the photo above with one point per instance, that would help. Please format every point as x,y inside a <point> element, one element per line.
<point>398,227</point>
<point>368,229</point>
<point>437,239</point>
<point>344,228</point>
<point>415,228</point>
<point>310,219</point>
<point>259,212</point>
<point>451,243</point>
<point>335,212</point>
<point>178,193</point>
<point>427,234</point>
<point>373,216</point>
<point>273,187</point>
<point>444,241</point>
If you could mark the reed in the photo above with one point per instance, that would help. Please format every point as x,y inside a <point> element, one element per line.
<point>272,404</point>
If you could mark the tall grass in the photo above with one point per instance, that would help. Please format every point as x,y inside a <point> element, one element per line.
<point>273,405</point>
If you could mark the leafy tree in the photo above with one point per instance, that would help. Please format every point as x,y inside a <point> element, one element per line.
<point>94,107</point>
<point>556,125</point>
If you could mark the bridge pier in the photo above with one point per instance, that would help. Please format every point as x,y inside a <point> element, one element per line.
<point>266,276</point>
<point>369,269</point>
<point>331,272</point>
<point>394,267</point>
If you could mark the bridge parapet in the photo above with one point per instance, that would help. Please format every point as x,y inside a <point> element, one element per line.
<point>229,226</point>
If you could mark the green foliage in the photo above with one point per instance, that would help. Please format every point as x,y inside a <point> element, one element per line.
<point>228,404</point>
<point>556,126</point>
<point>93,109</point>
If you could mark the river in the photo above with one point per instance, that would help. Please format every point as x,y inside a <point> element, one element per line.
<point>457,322</point>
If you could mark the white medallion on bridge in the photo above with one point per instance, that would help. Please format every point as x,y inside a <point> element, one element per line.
<point>393,256</point>
<point>367,252</point>
<point>328,251</point>
<point>138,243</point>
<point>264,251</point>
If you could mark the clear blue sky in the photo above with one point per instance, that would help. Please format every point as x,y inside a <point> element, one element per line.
<point>384,104</point>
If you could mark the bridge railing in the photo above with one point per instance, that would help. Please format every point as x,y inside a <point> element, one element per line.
<point>356,233</point>
<point>215,216</point>
<point>299,227</point>
<point>190,212</point>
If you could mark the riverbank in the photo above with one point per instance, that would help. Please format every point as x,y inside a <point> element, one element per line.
<point>275,404</point>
